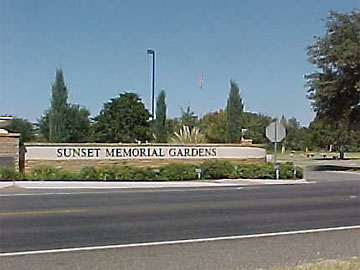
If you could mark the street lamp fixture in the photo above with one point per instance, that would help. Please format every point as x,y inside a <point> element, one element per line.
<point>152,52</point>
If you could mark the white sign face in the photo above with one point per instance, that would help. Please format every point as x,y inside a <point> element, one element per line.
<point>275,132</point>
<point>139,152</point>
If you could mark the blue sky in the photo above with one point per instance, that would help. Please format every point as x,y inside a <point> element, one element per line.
<point>101,47</point>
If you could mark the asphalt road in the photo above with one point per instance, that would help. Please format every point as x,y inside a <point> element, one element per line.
<point>245,254</point>
<point>39,220</point>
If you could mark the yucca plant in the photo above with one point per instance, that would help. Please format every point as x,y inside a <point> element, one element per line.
<point>187,136</point>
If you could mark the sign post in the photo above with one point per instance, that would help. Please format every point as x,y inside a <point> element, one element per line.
<point>275,132</point>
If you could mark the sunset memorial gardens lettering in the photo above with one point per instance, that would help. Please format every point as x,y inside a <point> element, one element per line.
<point>141,152</point>
<point>65,152</point>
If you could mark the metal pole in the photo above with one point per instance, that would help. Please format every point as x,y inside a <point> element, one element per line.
<point>153,88</point>
<point>152,52</point>
<point>275,138</point>
<point>276,166</point>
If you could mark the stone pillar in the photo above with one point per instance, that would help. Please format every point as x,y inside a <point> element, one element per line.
<point>9,150</point>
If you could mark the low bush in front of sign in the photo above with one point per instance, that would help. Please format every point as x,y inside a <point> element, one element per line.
<point>177,172</point>
<point>7,174</point>
<point>114,173</point>
<point>218,169</point>
<point>287,171</point>
<point>50,173</point>
<point>254,171</point>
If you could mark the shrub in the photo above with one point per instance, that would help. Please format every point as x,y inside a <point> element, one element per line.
<point>89,173</point>
<point>299,172</point>
<point>266,171</point>
<point>187,135</point>
<point>287,171</point>
<point>216,169</point>
<point>134,174</point>
<point>114,173</point>
<point>149,174</point>
<point>255,171</point>
<point>177,172</point>
<point>51,173</point>
<point>108,173</point>
<point>8,174</point>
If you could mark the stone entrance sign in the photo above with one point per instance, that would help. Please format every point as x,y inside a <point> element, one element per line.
<point>74,157</point>
<point>140,152</point>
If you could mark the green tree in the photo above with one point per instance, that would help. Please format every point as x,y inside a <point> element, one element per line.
<point>255,125</point>
<point>24,127</point>
<point>78,124</point>
<point>173,125</point>
<point>58,112</point>
<point>188,118</point>
<point>234,111</point>
<point>334,88</point>
<point>214,126</point>
<point>294,123</point>
<point>160,129</point>
<point>64,122</point>
<point>123,119</point>
<point>321,134</point>
<point>296,138</point>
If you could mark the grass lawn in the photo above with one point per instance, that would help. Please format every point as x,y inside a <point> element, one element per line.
<point>306,159</point>
<point>350,264</point>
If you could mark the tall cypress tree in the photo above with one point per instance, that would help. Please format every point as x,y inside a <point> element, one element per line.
<point>234,110</point>
<point>64,122</point>
<point>58,110</point>
<point>160,130</point>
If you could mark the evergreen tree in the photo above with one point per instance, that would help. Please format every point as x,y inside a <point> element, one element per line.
<point>123,119</point>
<point>188,118</point>
<point>58,113</point>
<point>234,110</point>
<point>160,129</point>
<point>64,122</point>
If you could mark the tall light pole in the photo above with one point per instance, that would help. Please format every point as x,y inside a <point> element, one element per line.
<point>152,52</point>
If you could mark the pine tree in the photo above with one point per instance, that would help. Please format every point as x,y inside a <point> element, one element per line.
<point>189,118</point>
<point>234,110</point>
<point>59,108</point>
<point>64,122</point>
<point>160,130</point>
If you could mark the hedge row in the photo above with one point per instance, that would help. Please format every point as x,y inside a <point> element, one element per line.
<point>173,172</point>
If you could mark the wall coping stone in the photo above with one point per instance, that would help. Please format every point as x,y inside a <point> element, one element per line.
<point>145,144</point>
<point>15,135</point>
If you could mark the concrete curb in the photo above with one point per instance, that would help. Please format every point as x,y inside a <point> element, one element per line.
<point>132,185</point>
<point>4,184</point>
